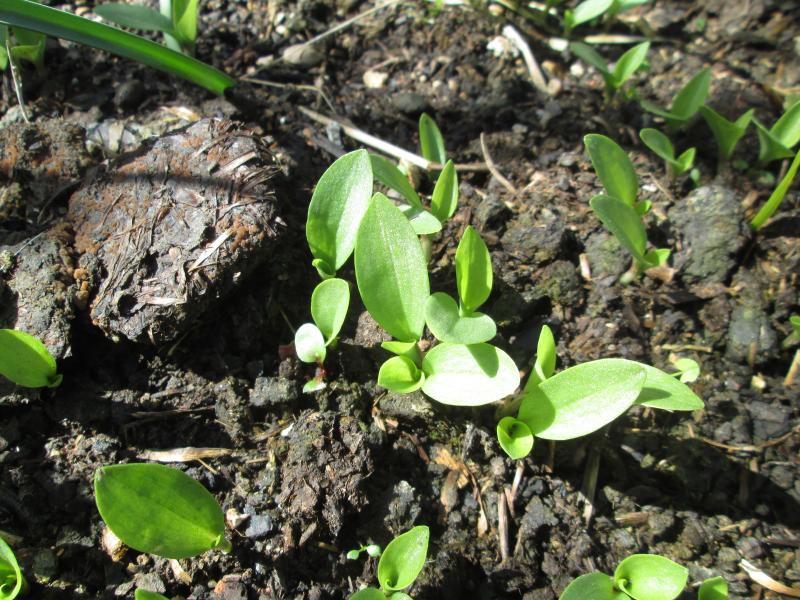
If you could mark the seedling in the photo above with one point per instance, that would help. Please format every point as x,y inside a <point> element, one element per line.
<point>619,211</point>
<point>372,550</point>
<point>146,595</point>
<point>400,564</point>
<point>726,133</point>
<point>640,576</point>
<point>714,588</point>
<point>177,20</point>
<point>159,510</point>
<point>12,583</point>
<point>57,23</point>
<point>26,361</point>
<point>686,104</point>
<point>588,10</point>
<point>431,141</point>
<point>776,197</point>
<point>777,142</point>
<point>663,148</point>
<point>25,45</point>
<point>794,337</point>
<point>688,370</point>
<point>614,77</point>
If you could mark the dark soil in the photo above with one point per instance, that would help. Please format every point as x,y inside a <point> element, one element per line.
<point>86,234</point>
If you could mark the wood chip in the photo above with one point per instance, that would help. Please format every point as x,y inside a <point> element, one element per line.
<point>188,454</point>
<point>766,581</point>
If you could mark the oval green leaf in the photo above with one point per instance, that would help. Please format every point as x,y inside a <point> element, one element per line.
<point>400,374</point>
<point>368,594</point>
<point>591,57</point>
<point>769,147</point>
<point>403,559</point>
<point>337,206</point>
<point>592,586</point>
<point>623,222</point>
<point>155,509</point>
<point>662,390</point>
<point>26,361</point>
<point>329,303</point>
<point>787,129</point>
<point>134,16</point>
<point>629,63</point>
<point>658,143</point>
<point>11,580</point>
<point>391,271</point>
<point>715,588</point>
<point>184,16</point>
<point>447,325</point>
<point>468,375</point>
<point>692,96</point>
<point>445,193</point>
<point>545,354</point>
<point>309,344</point>
<point>423,222</point>
<point>613,167</point>
<point>147,595</point>
<point>386,172</point>
<point>582,399</point>
<point>515,438</point>
<point>588,10</point>
<point>408,349</point>
<point>473,271</point>
<point>431,142</point>
<point>650,577</point>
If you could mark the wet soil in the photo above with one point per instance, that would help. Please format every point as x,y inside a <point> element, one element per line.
<point>95,214</point>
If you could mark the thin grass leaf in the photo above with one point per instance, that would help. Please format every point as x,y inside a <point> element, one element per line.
<point>777,196</point>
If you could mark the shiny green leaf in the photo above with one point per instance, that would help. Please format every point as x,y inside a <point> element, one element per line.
<point>592,586</point>
<point>726,133</point>
<point>391,270</point>
<point>422,222</point>
<point>545,362</point>
<point>400,374</point>
<point>389,175</point>
<point>309,344</point>
<point>159,510</point>
<point>662,390</point>
<point>777,196</point>
<point>26,361</point>
<point>787,128</point>
<point>403,559</point>
<point>408,349</point>
<point>431,142</point>
<point>629,63</point>
<point>650,577</point>
<point>515,438</point>
<point>473,271</point>
<point>582,399</point>
<point>329,303</point>
<point>623,222</point>
<point>613,167</point>
<point>587,11</point>
<point>692,96</point>
<point>337,206</point>
<point>448,325</point>
<point>184,17</point>
<point>445,193</point>
<point>714,588</point>
<point>11,580</point>
<point>592,58</point>
<point>146,595</point>
<point>468,375</point>
<point>368,594</point>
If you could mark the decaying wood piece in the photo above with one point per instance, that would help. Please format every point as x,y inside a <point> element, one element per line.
<point>174,227</point>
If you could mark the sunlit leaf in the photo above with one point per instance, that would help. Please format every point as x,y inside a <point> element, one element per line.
<point>403,559</point>
<point>309,343</point>
<point>473,271</point>
<point>650,577</point>
<point>515,438</point>
<point>448,325</point>
<point>26,361</point>
<point>613,167</point>
<point>329,303</point>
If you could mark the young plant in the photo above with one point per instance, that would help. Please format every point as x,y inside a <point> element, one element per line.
<point>372,550</point>
<point>57,23</point>
<point>177,20</point>
<point>686,104</point>
<point>726,133</point>
<point>26,361</point>
<point>620,212</point>
<point>663,148</point>
<point>640,576</point>
<point>688,370</point>
<point>776,197</point>
<point>159,510</point>
<point>141,594</point>
<point>399,565</point>
<point>714,588</point>
<point>777,142</point>
<point>329,303</point>
<point>614,77</point>
<point>12,583</point>
<point>25,45</point>
<point>431,141</point>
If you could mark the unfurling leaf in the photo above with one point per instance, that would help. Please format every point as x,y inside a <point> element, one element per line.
<point>403,559</point>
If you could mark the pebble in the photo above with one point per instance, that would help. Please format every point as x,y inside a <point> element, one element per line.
<point>259,526</point>
<point>409,103</point>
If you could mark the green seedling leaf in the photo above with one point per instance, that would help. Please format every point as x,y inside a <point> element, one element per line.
<point>592,586</point>
<point>11,580</point>
<point>368,594</point>
<point>431,142</point>
<point>159,510</point>
<point>400,374</point>
<point>134,16</point>
<point>643,207</point>
<point>545,354</point>
<point>400,596</point>
<point>60,24</point>
<point>686,103</point>
<point>586,11</point>
<point>372,550</point>
<point>726,133</point>
<point>662,390</point>
<point>688,370</point>
<point>715,588</point>
<point>777,196</point>
<point>403,559</point>
<point>3,54</point>
<point>389,175</point>
<point>309,344</point>
<point>422,222</point>
<point>613,167</point>
<point>408,349</point>
<point>473,271</point>
<point>769,147</point>
<point>445,193</point>
<point>337,206</point>
<point>624,223</point>
<point>391,271</point>
<point>184,18</point>
<point>515,438</point>
<point>787,129</point>
<point>26,361</point>
<point>591,57</point>
<point>650,577</point>
<point>447,324</point>
<point>656,258</point>
<point>629,63</point>
<point>329,303</point>
<point>145,595</point>
<point>582,399</point>
<point>468,375</point>
<point>314,385</point>
<point>663,148</point>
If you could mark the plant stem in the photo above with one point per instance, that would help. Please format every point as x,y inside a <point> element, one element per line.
<point>793,368</point>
